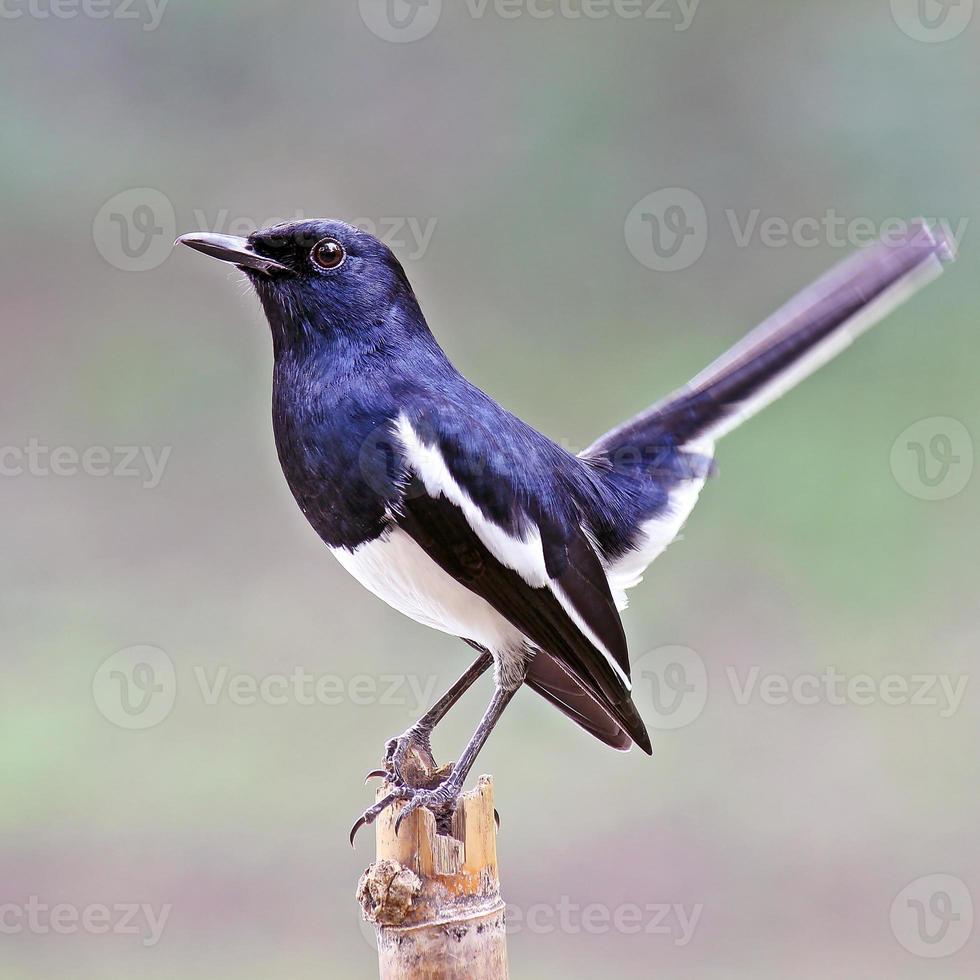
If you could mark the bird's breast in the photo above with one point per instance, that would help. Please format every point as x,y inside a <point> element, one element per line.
<point>396,569</point>
<point>341,463</point>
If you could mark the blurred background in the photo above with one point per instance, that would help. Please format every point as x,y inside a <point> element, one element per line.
<point>593,200</point>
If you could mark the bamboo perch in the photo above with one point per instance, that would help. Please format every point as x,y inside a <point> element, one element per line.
<point>434,900</point>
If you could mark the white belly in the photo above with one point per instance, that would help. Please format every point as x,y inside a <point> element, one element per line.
<point>397,570</point>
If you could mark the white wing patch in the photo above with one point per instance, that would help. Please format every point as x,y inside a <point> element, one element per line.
<point>525,555</point>
<point>657,534</point>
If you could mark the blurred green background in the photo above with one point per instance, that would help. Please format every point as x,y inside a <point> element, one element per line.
<point>798,839</point>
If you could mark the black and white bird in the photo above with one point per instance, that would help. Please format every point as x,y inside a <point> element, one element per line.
<point>463,517</point>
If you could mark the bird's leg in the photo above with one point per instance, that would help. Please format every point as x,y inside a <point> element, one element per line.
<point>443,798</point>
<point>415,741</point>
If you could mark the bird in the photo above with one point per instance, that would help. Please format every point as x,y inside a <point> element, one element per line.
<point>468,520</point>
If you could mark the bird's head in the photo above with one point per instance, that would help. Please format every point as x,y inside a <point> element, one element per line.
<point>322,280</point>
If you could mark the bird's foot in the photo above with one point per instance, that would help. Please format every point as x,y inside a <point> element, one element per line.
<point>441,802</point>
<point>409,762</point>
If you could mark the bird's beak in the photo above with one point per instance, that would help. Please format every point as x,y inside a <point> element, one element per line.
<point>228,248</point>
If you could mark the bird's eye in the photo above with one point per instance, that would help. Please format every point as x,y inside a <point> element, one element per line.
<point>328,254</point>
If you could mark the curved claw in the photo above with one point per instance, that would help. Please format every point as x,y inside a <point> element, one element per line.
<point>357,826</point>
<point>376,774</point>
<point>496,818</point>
<point>369,816</point>
<point>410,807</point>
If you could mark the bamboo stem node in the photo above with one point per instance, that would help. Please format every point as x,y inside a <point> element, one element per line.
<point>435,900</point>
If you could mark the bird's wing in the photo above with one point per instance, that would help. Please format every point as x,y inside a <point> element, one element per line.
<point>545,579</point>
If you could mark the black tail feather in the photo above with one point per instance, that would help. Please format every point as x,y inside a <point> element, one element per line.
<point>802,336</point>
<point>619,726</point>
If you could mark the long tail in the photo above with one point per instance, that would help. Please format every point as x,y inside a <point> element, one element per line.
<point>804,335</point>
